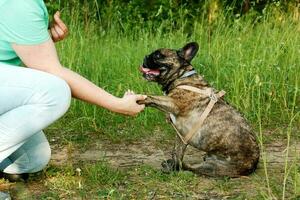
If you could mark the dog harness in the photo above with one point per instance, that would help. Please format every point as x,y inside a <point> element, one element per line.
<point>213,99</point>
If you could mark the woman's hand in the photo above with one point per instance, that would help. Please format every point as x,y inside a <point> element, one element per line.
<point>58,29</point>
<point>129,104</point>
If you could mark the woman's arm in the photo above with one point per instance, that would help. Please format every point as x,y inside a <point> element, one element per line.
<point>44,57</point>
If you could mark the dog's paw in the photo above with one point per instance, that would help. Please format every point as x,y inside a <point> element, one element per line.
<point>141,102</point>
<point>169,165</point>
<point>146,101</point>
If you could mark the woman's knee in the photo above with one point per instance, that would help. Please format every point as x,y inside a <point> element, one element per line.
<point>55,94</point>
<point>61,94</point>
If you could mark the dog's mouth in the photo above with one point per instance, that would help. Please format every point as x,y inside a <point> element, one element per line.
<point>149,74</point>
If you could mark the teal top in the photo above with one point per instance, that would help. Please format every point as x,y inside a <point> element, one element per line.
<point>23,22</point>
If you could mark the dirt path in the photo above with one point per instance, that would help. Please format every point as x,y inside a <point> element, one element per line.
<point>146,152</point>
<point>126,155</point>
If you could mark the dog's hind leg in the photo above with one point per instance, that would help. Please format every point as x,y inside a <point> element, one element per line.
<point>175,163</point>
<point>214,167</point>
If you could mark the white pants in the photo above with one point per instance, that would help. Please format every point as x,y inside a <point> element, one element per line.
<point>30,100</point>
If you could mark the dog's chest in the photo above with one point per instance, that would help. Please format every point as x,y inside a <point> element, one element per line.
<point>171,115</point>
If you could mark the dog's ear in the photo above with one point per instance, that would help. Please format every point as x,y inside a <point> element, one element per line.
<point>189,51</point>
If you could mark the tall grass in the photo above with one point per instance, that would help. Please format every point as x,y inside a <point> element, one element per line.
<point>256,60</point>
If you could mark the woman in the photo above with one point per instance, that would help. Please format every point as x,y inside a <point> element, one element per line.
<point>33,97</point>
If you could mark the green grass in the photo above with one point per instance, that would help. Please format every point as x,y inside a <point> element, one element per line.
<point>256,63</point>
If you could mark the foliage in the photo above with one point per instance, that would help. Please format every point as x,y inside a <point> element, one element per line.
<point>128,14</point>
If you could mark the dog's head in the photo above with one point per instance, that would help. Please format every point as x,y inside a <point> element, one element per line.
<point>166,65</point>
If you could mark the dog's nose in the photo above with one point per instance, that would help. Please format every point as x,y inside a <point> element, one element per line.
<point>145,60</point>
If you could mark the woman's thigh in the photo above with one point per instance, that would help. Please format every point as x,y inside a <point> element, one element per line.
<point>30,100</point>
<point>20,86</point>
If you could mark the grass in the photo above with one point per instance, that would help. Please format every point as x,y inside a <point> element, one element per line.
<point>255,62</point>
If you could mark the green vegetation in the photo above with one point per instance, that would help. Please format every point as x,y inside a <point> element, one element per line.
<point>254,58</point>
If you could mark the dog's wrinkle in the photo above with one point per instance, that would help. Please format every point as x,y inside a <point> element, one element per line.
<point>168,52</point>
<point>164,72</point>
<point>168,81</point>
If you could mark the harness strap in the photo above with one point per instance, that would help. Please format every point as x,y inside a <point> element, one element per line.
<point>178,133</point>
<point>213,99</point>
<point>206,92</point>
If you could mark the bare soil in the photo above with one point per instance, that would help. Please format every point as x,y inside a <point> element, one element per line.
<point>126,155</point>
<point>152,153</point>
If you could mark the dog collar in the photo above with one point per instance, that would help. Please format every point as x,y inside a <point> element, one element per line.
<point>188,73</point>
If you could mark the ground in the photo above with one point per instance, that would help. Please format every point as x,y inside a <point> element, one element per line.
<point>131,170</point>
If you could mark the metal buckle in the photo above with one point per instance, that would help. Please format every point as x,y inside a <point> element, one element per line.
<point>213,97</point>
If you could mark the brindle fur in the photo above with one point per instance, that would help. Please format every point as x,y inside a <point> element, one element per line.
<point>230,145</point>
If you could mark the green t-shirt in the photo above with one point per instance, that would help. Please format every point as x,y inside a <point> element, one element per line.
<point>22,22</point>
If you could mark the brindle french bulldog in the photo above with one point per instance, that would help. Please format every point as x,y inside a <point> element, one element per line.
<point>230,145</point>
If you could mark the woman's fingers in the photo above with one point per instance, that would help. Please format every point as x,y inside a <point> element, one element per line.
<point>140,97</point>
<point>58,29</point>
<point>60,32</point>
<point>54,34</point>
<point>60,23</point>
<point>129,92</point>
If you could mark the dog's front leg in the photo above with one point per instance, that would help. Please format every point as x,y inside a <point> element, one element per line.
<point>178,152</point>
<point>177,156</point>
<point>163,103</point>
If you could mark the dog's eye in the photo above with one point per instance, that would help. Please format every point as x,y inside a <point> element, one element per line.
<point>158,55</point>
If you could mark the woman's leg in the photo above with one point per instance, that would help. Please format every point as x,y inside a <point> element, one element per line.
<point>31,157</point>
<point>30,100</point>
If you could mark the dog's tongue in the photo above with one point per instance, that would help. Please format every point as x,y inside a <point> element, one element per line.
<point>149,71</point>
